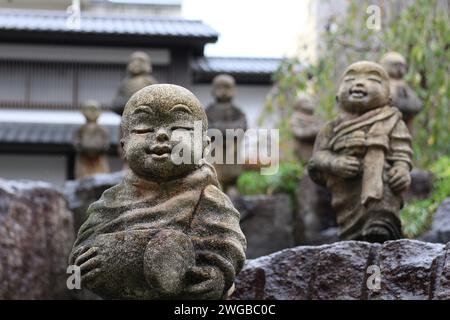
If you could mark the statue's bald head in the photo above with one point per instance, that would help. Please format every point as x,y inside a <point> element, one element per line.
<point>224,87</point>
<point>139,63</point>
<point>165,98</point>
<point>364,86</point>
<point>367,67</point>
<point>395,64</point>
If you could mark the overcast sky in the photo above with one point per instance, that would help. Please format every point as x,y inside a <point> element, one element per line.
<point>255,28</point>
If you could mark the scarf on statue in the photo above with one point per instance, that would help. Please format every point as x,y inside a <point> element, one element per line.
<point>381,121</point>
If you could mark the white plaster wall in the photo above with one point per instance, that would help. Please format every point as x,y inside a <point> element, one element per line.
<point>249,98</point>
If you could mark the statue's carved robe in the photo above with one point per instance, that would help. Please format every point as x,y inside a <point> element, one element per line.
<point>91,142</point>
<point>224,116</point>
<point>379,139</point>
<point>123,220</point>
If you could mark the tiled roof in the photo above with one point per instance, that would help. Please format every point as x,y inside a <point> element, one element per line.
<point>44,133</point>
<point>56,21</point>
<point>245,70</point>
<point>236,65</point>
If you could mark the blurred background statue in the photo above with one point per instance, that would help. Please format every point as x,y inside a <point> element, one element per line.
<point>139,71</point>
<point>305,126</point>
<point>91,143</point>
<point>403,97</point>
<point>223,114</point>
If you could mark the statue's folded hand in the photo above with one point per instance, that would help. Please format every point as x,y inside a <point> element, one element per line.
<point>346,166</point>
<point>399,178</point>
<point>89,260</point>
<point>205,282</point>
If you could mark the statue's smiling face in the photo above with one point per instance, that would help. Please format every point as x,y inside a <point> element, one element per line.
<point>152,134</point>
<point>364,86</point>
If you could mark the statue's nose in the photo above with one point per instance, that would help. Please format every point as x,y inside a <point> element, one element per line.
<point>162,135</point>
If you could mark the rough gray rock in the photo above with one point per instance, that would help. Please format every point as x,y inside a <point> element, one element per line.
<point>440,227</point>
<point>409,269</point>
<point>36,235</point>
<point>421,185</point>
<point>81,193</point>
<point>267,222</point>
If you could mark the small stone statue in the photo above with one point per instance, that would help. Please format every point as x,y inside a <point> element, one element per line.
<point>139,70</point>
<point>364,157</point>
<point>305,127</point>
<point>166,231</point>
<point>222,115</point>
<point>403,97</point>
<point>139,76</point>
<point>91,143</point>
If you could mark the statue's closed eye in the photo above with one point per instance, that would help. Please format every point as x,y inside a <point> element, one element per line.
<point>143,109</point>
<point>181,107</point>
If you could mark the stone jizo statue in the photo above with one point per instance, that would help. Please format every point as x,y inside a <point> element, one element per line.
<point>403,97</point>
<point>139,71</point>
<point>224,114</point>
<point>166,231</point>
<point>91,143</point>
<point>364,156</point>
<point>305,126</point>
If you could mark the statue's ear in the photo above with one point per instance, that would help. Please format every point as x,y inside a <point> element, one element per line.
<point>390,100</point>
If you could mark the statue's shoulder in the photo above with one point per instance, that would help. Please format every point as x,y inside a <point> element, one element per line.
<point>214,198</point>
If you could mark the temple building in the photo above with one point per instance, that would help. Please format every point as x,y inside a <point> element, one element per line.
<point>50,67</point>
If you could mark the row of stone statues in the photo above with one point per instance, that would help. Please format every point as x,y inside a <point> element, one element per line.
<point>91,141</point>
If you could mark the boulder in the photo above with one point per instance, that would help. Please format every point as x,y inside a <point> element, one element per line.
<point>36,236</point>
<point>421,185</point>
<point>401,269</point>
<point>81,193</point>
<point>440,226</point>
<point>267,222</point>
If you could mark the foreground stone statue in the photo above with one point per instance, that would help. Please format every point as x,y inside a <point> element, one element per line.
<point>223,115</point>
<point>403,97</point>
<point>364,157</point>
<point>139,71</point>
<point>305,127</point>
<point>166,231</point>
<point>91,143</point>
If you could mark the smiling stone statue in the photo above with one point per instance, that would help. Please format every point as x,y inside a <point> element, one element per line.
<point>166,231</point>
<point>364,156</point>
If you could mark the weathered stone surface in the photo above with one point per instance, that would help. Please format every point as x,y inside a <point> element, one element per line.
<point>408,269</point>
<point>267,222</point>
<point>440,227</point>
<point>36,235</point>
<point>81,193</point>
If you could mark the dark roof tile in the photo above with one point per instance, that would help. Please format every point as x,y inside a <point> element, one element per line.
<point>44,133</point>
<point>56,21</point>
